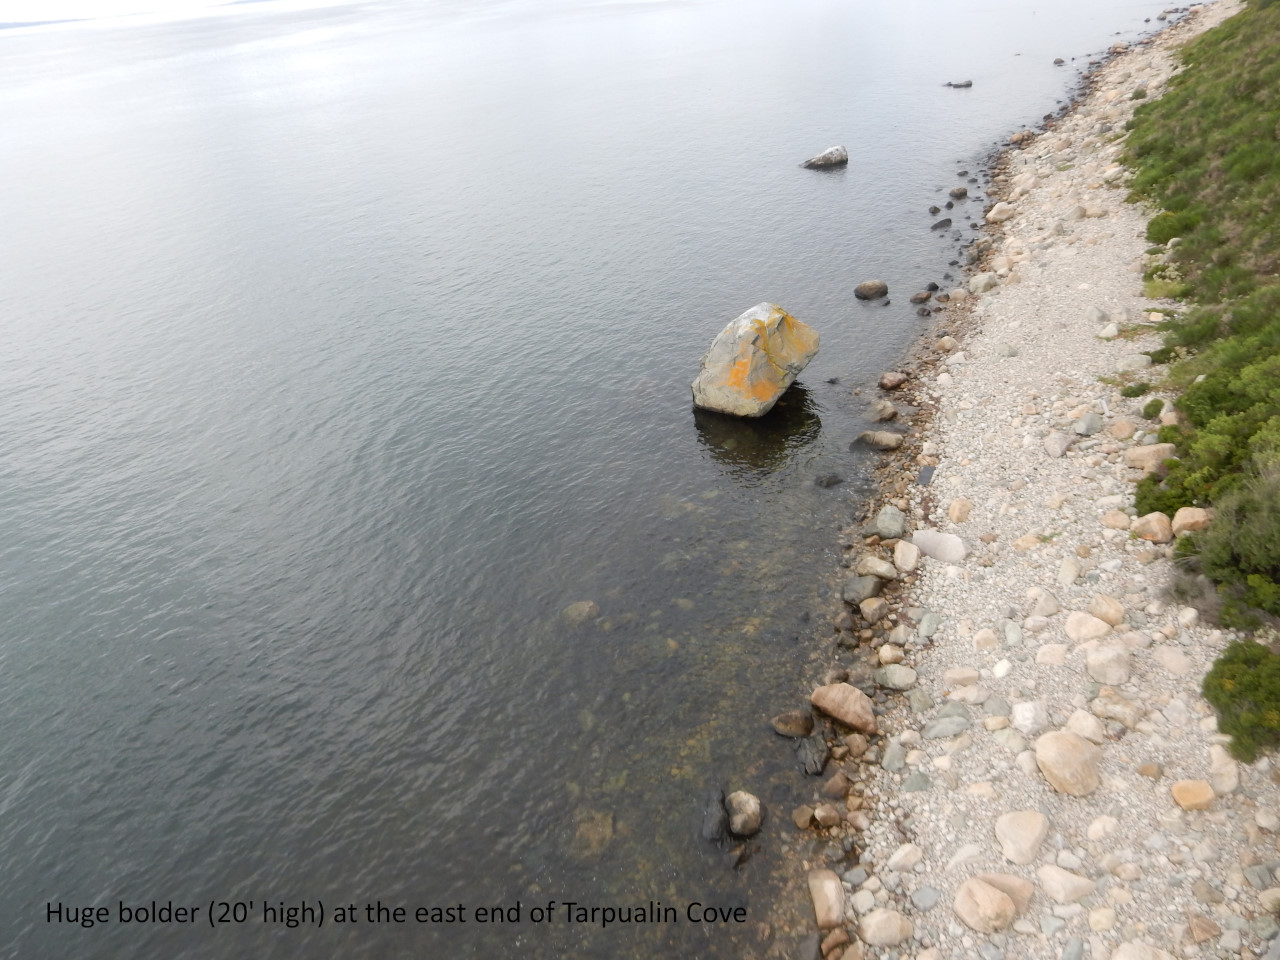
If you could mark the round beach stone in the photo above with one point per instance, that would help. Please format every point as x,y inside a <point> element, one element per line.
<point>1069,762</point>
<point>884,928</point>
<point>946,547</point>
<point>847,704</point>
<point>1081,626</point>
<point>1020,834</point>
<point>871,290</point>
<point>1192,794</point>
<point>982,907</point>
<point>828,898</point>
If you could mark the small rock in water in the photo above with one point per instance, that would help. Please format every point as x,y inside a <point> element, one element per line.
<point>715,818</point>
<point>830,157</point>
<point>959,193</point>
<point>745,813</point>
<point>813,753</point>
<point>828,479</point>
<point>580,612</point>
<point>882,410</point>
<point>880,439</point>
<point>793,723</point>
<point>871,290</point>
<point>942,224</point>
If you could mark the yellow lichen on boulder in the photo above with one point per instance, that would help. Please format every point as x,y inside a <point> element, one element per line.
<point>753,361</point>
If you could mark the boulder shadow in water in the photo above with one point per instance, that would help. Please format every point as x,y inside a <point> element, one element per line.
<point>760,445</point>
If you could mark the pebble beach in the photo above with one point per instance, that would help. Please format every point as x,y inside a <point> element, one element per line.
<point>1035,773</point>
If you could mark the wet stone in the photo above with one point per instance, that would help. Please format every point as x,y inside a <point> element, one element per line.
<point>813,754</point>
<point>793,723</point>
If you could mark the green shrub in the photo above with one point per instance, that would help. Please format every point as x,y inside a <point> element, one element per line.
<point>1139,94</point>
<point>1151,409</point>
<point>1244,687</point>
<point>1205,153</point>
<point>1242,545</point>
<point>1165,226</point>
<point>1135,389</point>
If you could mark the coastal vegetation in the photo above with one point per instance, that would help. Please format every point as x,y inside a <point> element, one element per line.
<point>1207,154</point>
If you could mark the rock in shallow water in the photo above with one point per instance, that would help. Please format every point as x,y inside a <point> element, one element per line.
<point>871,290</point>
<point>830,157</point>
<point>753,361</point>
<point>745,813</point>
<point>847,704</point>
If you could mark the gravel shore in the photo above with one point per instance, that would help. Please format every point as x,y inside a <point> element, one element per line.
<point>1047,780</point>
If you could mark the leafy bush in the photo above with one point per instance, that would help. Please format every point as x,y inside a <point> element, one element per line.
<point>1151,409</point>
<point>1135,389</point>
<point>1244,687</point>
<point>1206,155</point>
<point>1242,546</point>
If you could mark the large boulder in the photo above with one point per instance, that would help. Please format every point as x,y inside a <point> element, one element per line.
<point>830,157</point>
<point>753,361</point>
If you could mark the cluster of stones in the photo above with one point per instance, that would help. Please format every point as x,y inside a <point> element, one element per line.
<point>1024,766</point>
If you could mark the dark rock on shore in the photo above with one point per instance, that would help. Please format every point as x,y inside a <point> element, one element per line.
<point>856,589</point>
<point>921,297</point>
<point>813,754</point>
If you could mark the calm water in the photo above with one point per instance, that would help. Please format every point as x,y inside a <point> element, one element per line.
<point>344,347</point>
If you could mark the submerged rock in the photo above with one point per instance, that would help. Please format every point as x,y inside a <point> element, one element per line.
<point>715,818</point>
<point>813,753</point>
<point>830,157</point>
<point>753,361</point>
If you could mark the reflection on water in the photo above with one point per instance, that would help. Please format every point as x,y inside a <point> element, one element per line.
<point>754,446</point>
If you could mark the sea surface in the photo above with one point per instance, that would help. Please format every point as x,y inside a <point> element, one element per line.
<point>343,345</point>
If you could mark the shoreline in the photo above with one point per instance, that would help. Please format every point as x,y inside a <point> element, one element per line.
<point>1047,780</point>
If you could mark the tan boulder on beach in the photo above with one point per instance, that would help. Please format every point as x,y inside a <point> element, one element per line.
<point>753,361</point>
